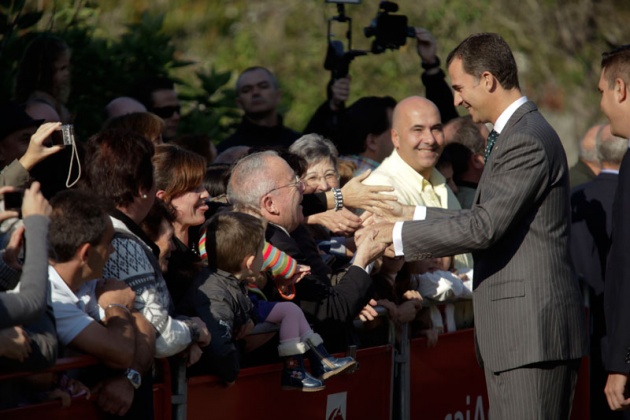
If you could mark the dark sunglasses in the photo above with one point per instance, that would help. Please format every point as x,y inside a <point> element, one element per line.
<point>166,111</point>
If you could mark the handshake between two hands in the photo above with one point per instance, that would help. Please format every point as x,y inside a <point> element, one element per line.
<point>378,226</point>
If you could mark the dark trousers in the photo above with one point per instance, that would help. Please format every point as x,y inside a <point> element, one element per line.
<point>533,392</point>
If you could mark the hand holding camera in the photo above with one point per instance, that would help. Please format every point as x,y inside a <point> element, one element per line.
<point>34,202</point>
<point>37,149</point>
<point>10,203</point>
<point>22,203</point>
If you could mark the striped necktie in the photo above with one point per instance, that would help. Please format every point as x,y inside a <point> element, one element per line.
<point>492,138</point>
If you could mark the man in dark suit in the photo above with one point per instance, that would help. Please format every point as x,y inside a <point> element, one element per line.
<point>591,228</point>
<point>614,85</point>
<point>529,324</point>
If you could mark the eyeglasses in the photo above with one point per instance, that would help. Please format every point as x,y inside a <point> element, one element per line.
<point>330,177</point>
<point>166,111</point>
<point>297,183</point>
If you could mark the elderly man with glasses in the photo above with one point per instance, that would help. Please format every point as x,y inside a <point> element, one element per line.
<point>266,182</point>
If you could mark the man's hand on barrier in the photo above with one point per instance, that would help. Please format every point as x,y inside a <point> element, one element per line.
<point>407,311</point>
<point>114,395</point>
<point>368,313</point>
<point>415,297</point>
<point>193,354</point>
<point>244,330</point>
<point>204,334</point>
<point>114,292</point>
<point>15,344</point>
<point>392,309</point>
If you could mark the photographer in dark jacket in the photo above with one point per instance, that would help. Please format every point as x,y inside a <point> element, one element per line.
<point>329,117</point>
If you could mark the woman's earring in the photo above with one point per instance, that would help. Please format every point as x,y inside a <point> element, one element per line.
<point>144,196</point>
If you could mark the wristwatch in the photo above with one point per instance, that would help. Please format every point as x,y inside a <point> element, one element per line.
<point>134,377</point>
<point>195,333</point>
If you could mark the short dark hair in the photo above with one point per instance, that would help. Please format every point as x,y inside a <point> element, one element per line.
<point>457,155</point>
<point>198,143</point>
<point>232,236</point>
<point>216,179</point>
<point>145,88</point>
<point>616,64</point>
<point>487,52</point>
<point>366,116</point>
<point>274,80</point>
<point>153,221</point>
<point>78,217</point>
<point>118,164</point>
<point>144,123</point>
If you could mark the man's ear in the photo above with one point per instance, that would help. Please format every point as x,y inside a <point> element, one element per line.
<point>268,205</point>
<point>395,138</point>
<point>488,80</point>
<point>83,252</point>
<point>159,194</point>
<point>371,143</point>
<point>621,90</point>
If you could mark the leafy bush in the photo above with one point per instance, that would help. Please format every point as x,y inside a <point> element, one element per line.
<point>105,68</point>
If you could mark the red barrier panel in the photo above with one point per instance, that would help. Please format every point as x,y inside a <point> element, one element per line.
<point>80,407</point>
<point>364,394</point>
<point>447,382</point>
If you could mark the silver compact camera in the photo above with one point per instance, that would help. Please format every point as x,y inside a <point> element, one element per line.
<point>64,136</point>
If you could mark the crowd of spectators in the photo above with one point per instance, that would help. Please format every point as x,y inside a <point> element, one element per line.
<point>170,247</point>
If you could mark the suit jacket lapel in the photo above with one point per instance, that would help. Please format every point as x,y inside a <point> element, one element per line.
<point>527,107</point>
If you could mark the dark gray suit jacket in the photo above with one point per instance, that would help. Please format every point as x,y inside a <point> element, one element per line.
<point>527,304</point>
<point>617,284</point>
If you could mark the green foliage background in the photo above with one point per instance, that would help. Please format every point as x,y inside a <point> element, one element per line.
<point>558,44</point>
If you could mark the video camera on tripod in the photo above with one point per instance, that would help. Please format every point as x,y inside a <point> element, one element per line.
<point>390,31</point>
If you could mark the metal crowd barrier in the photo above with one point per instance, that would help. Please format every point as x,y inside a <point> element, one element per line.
<point>397,380</point>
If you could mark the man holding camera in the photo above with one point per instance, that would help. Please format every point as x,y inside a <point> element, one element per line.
<point>22,144</point>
